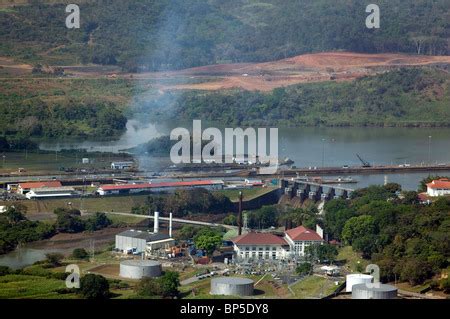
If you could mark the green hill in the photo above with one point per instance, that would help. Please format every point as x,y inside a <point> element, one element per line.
<point>173,34</point>
<point>405,97</point>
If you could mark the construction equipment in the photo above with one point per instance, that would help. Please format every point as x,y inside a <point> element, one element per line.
<point>364,163</point>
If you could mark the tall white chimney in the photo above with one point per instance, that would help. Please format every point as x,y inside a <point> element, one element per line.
<point>156,223</point>
<point>170,225</point>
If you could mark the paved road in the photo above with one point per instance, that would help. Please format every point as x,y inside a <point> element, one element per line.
<point>176,220</point>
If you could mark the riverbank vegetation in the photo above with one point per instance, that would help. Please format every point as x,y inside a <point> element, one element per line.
<point>16,228</point>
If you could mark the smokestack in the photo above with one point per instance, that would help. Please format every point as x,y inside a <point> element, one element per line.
<point>240,214</point>
<point>156,223</point>
<point>170,225</point>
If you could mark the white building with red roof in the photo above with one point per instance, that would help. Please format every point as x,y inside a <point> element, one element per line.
<point>301,237</point>
<point>24,188</point>
<point>267,246</point>
<point>439,187</point>
<point>259,246</point>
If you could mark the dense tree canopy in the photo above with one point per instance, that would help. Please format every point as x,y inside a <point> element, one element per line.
<point>146,34</point>
<point>409,241</point>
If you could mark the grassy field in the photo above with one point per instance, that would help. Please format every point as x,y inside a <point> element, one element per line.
<point>92,204</point>
<point>354,261</point>
<point>28,287</point>
<point>313,287</point>
<point>250,193</point>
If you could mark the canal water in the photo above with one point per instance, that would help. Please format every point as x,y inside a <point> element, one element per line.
<point>312,147</point>
<point>25,256</point>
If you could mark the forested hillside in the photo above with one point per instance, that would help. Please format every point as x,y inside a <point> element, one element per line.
<point>174,34</point>
<point>405,97</point>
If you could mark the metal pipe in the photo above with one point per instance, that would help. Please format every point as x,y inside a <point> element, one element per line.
<point>170,225</point>
<point>156,223</point>
<point>240,214</point>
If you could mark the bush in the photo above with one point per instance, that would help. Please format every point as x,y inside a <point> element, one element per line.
<point>80,253</point>
<point>94,287</point>
<point>445,285</point>
<point>148,287</point>
<point>54,259</point>
<point>165,286</point>
<point>4,270</point>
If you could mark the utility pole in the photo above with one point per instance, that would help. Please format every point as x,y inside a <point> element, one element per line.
<point>240,214</point>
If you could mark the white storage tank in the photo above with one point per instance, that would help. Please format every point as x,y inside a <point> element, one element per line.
<point>137,269</point>
<point>382,291</point>
<point>355,279</point>
<point>232,286</point>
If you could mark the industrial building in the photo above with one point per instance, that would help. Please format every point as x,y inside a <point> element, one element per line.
<point>260,246</point>
<point>50,192</point>
<point>158,187</point>
<point>232,286</point>
<point>138,241</point>
<point>23,188</point>
<point>301,237</point>
<point>440,187</point>
<point>137,269</point>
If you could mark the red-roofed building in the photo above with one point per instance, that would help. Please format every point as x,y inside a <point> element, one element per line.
<point>24,188</point>
<point>301,237</point>
<point>257,246</point>
<point>439,187</point>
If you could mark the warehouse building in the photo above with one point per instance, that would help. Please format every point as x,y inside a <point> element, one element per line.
<point>137,241</point>
<point>50,192</point>
<point>158,187</point>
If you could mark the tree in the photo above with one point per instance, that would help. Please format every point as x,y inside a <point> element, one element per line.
<point>97,221</point>
<point>304,269</point>
<point>414,271</point>
<point>208,243</point>
<point>15,214</point>
<point>367,245</point>
<point>230,220</point>
<point>358,227</point>
<point>80,253</point>
<point>68,220</point>
<point>94,287</point>
<point>54,259</point>
<point>325,252</point>
<point>170,282</point>
<point>187,232</point>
